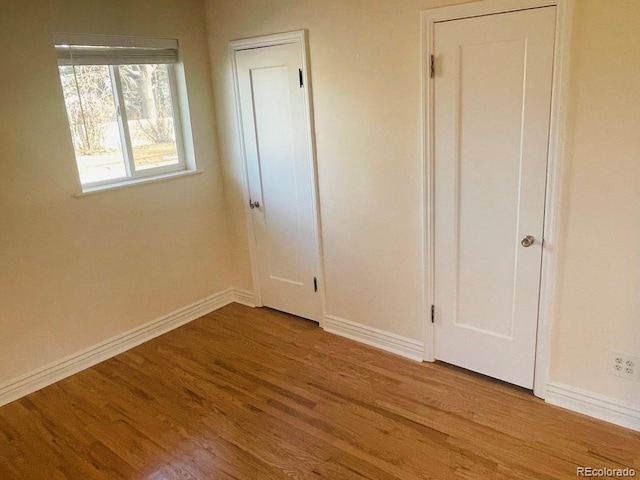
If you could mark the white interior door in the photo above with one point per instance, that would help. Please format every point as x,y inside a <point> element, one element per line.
<point>280,175</point>
<point>492,99</point>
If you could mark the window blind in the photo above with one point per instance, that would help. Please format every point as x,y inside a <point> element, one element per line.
<point>112,50</point>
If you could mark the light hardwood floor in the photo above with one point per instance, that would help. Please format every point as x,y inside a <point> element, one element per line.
<point>253,393</point>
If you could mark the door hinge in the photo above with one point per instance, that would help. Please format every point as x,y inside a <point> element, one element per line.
<point>315,284</point>
<point>300,77</point>
<point>432,66</point>
<point>433,314</point>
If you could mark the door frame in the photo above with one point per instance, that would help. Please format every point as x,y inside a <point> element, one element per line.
<point>555,163</point>
<point>298,37</point>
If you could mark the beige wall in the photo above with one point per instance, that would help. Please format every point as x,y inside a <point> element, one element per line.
<point>76,271</point>
<point>599,285</point>
<point>365,65</point>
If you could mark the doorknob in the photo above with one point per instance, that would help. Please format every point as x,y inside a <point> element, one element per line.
<point>253,205</point>
<point>527,241</point>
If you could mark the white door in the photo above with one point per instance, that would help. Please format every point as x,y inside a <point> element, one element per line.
<point>280,174</point>
<point>492,95</point>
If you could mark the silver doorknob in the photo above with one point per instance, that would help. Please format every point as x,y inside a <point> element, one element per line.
<point>253,205</point>
<point>527,241</point>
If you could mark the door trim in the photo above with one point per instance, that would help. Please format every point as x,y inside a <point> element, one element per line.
<point>298,37</point>
<point>555,163</point>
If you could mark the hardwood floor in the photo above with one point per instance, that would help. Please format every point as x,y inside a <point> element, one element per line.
<point>253,393</point>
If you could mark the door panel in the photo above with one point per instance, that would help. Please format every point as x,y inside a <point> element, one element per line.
<point>273,111</point>
<point>270,88</point>
<point>492,103</point>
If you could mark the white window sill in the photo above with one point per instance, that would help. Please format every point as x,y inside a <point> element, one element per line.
<point>136,181</point>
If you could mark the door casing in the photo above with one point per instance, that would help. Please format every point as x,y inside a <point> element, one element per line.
<point>555,168</point>
<point>298,37</point>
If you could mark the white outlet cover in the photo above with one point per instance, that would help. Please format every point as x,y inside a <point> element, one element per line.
<point>623,365</point>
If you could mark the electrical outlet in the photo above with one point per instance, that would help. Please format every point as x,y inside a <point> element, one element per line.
<point>623,365</point>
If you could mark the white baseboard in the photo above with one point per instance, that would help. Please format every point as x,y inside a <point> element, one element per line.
<point>244,297</point>
<point>625,414</point>
<point>403,346</point>
<point>65,367</point>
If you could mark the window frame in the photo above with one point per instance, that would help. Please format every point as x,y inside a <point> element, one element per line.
<point>179,104</point>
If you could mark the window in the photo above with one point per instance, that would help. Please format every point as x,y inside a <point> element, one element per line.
<point>123,107</point>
